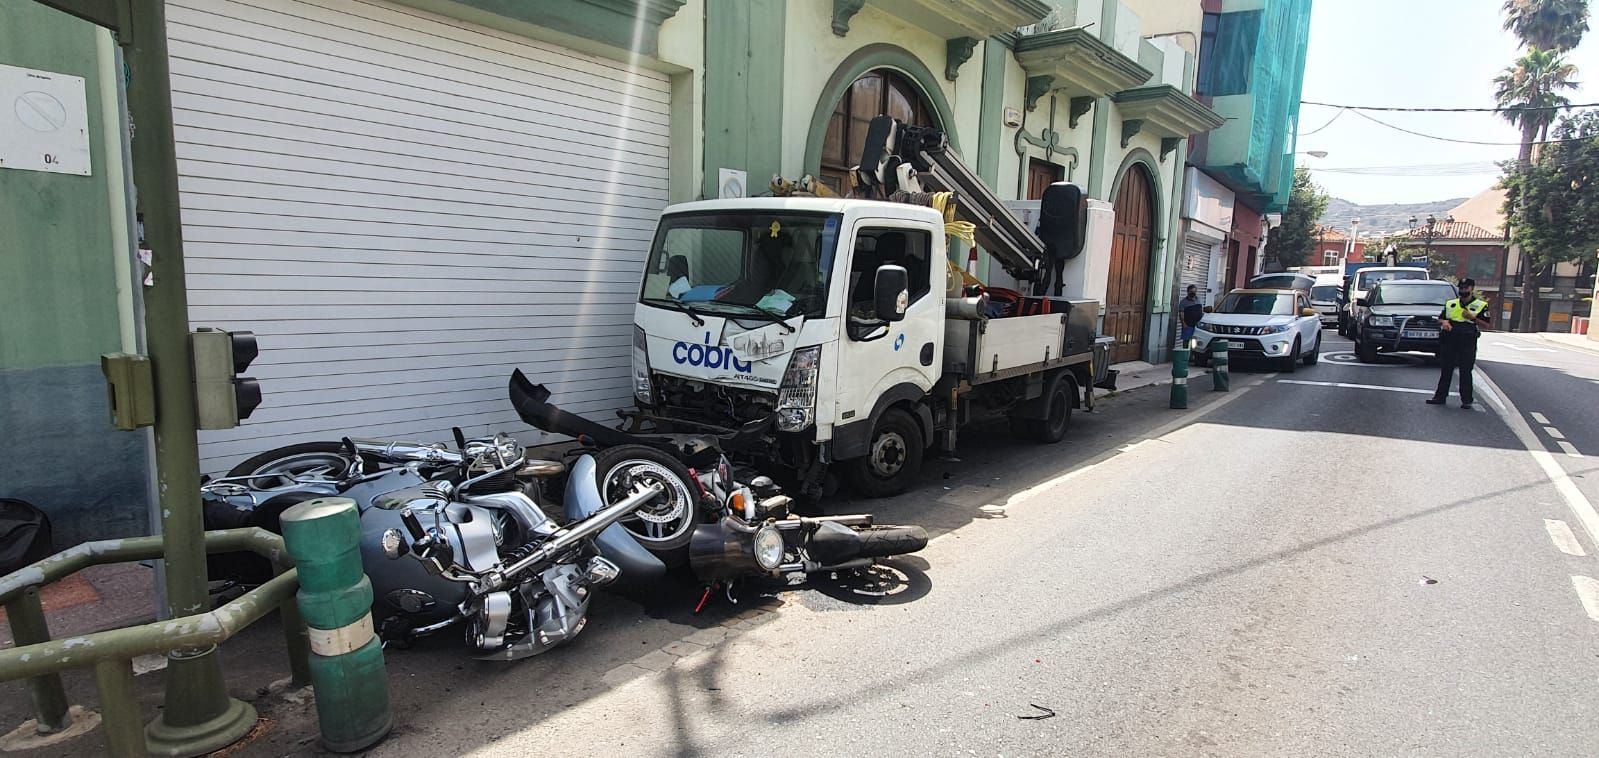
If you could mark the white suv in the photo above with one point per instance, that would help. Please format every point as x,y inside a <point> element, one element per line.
<point>1278,325</point>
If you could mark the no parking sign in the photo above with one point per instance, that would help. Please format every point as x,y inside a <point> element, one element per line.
<point>44,121</point>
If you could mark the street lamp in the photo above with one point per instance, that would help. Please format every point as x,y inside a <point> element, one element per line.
<point>1430,233</point>
<point>1314,153</point>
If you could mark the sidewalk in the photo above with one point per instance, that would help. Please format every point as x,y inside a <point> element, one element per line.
<point>1574,341</point>
<point>1135,374</point>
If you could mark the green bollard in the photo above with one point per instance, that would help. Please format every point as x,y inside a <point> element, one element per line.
<point>1218,366</point>
<point>1179,377</point>
<point>346,661</point>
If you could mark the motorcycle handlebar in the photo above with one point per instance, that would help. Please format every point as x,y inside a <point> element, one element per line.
<point>408,451</point>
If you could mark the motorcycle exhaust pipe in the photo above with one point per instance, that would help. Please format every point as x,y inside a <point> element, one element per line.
<point>406,451</point>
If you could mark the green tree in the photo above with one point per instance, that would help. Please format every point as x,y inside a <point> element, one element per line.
<point>1555,215</point>
<point>1295,239</point>
<point>1556,25</point>
<point>1531,89</point>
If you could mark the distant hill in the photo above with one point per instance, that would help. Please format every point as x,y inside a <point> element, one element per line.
<point>1382,218</point>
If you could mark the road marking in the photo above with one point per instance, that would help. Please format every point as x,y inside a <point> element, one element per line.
<point>1348,386</point>
<point>1553,432</point>
<point>1525,349</point>
<point>1588,592</point>
<point>1575,500</point>
<point>1539,417</point>
<point>1570,449</point>
<point>1564,539</point>
<point>1492,396</point>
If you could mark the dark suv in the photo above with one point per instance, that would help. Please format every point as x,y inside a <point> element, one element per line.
<point>1399,316</point>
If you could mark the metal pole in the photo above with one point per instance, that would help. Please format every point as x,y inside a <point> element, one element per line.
<point>1179,376</point>
<point>199,716</point>
<point>28,627</point>
<point>1220,379</point>
<point>119,708</point>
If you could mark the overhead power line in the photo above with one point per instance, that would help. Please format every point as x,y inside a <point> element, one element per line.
<point>1448,110</point>
<point>1336,116</point>
<point>1459,141</point>
<point>1475,168</point>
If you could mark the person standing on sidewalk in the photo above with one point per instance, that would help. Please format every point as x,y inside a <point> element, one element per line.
<point>1461,323</point>
<point>1190,310</point>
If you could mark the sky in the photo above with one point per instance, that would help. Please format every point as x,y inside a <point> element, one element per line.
<point>1413,53</point>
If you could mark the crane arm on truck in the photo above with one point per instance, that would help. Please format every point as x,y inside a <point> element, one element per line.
<point>900,161</point>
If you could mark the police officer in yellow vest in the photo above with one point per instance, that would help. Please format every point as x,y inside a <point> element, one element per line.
<point>1462,321</point>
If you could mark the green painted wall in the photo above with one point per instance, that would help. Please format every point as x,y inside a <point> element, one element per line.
<point>58,311</point>
<point>743,89</point>
<point>58,306</point>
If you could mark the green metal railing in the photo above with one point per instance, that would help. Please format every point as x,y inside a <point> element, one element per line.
<point>110,653</point>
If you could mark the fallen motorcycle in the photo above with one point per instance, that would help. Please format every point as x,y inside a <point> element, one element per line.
<point>734,530</point>
<point>451,537</point>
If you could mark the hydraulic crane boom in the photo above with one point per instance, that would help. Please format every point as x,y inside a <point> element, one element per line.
<point>900,161</point>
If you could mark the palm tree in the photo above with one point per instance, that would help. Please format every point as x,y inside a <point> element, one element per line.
<point>1530,91</point>
<point>1556,25</point>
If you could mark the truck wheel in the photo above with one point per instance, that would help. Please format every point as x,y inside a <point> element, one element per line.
<point>892,459</point>
<point>1053,428</point>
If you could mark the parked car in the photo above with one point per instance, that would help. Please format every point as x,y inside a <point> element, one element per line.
<point>1327,297</point>
<point>1363,280</point>
<point>1276,325</point>
<point>1284,281</point>
<point>1399,315</point>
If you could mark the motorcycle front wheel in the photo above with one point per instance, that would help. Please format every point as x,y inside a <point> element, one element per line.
<point>665,525</point>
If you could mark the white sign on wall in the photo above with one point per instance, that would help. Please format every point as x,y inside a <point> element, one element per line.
<point>44,121</point>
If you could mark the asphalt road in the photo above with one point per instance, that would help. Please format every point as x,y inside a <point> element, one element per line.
<point>1315,563</point>
<point>1323,567</point>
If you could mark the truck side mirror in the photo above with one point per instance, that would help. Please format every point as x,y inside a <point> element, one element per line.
<point>1210,309</point>
<point>891,292</point>
<point>1361,302</point>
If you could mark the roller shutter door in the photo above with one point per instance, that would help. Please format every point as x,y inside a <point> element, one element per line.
<point>1196,266</point>
<point>406,207</point>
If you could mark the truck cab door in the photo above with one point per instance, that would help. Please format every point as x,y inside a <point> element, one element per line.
<point>875,359</point>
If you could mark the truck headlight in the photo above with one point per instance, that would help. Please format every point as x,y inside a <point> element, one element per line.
<point>796,397</point>
<point>1380,321</point>
<point>642,389</point>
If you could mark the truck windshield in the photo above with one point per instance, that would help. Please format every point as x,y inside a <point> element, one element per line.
<point>743,263</point>
<point>1258,303</point>
<point>1322,293</point>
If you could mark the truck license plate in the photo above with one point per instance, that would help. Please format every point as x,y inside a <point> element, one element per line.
<point>1421,334</point>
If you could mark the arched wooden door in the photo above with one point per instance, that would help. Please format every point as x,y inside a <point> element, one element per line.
<point>1127,297</point>
<point>877,92</point>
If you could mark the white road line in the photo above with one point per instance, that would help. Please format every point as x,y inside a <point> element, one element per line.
<point>1553,432</point>
<point>1570,449</point>
<point>1575,500</point>
<point>1564,539</point>
<point>1588,592</point>
<point>1539,417</point>
<point>1348,386</point>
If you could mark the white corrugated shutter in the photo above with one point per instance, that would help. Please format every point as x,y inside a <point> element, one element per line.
<point>1196,266</point>
<point>404,208</point>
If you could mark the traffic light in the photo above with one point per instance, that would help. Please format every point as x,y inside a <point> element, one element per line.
<point>221,396</point>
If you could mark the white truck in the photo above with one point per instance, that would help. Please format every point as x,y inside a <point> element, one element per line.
<point>832,329</point>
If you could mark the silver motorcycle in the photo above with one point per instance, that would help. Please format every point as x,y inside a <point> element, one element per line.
<point>449,538</point>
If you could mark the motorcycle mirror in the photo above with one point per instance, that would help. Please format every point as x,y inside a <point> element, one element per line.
<point>761,482</point>
<point>393,543</point>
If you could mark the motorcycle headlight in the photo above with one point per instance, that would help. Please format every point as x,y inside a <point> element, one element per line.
<point>642,389</point>
<point>796,397</point>
<point>1380,321</point>
<point>768,548</point>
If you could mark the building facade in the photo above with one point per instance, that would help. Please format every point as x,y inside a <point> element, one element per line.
<point>406,199</point>
<point>1251,70</point>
